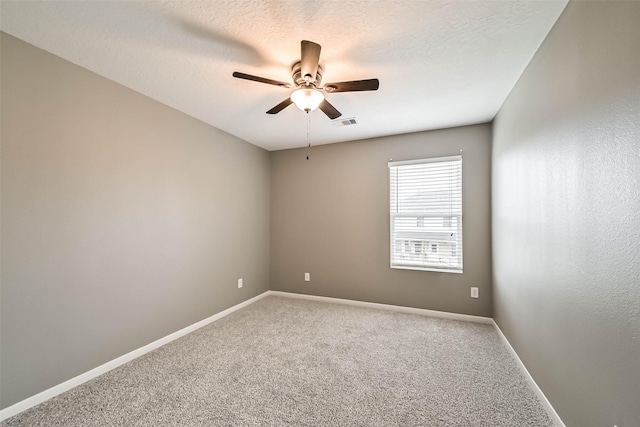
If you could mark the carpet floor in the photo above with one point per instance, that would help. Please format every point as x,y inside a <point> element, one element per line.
<point>290,362</point>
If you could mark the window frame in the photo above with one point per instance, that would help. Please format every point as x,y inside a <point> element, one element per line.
<point>457,246</point>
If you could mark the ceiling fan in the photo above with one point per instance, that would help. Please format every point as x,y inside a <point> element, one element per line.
<point>307,75</point>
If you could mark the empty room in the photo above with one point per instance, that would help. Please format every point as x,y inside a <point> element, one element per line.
<point>320,213</point>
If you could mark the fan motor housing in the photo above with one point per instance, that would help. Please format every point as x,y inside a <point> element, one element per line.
<point>298,78</point>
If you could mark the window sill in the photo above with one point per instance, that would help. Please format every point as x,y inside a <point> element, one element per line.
<point>436,270</point>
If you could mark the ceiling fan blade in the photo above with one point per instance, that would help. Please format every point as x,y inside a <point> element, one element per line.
<point>329,110</point>
<point>284,104</point>
<point>353,86</point>
<point>309,59</point>
<point>260,79</point>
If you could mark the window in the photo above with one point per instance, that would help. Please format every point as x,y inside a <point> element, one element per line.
<point>426,212</point>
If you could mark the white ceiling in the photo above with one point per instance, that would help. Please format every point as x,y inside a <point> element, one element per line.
<point>440,63</point>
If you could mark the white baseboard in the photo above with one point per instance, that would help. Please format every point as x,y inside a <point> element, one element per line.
<point>398,308</point>
<point>534,386</point>
<point>82,378</point>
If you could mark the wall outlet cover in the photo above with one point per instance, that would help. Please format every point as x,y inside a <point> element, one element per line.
<point>474,292</point>
<point>240,283</point>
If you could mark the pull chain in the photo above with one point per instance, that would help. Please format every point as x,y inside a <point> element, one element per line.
<point>308,137</point>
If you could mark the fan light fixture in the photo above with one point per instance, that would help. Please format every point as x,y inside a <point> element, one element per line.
<point>307,99</point>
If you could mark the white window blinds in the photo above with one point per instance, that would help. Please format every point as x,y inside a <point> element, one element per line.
<point>426,214</point>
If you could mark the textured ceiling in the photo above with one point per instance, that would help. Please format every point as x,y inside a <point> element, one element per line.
<point>440,63</point>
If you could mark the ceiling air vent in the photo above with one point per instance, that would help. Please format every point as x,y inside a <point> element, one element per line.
<point>345,122</point>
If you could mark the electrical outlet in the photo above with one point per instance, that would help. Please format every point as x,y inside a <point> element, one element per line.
<point>240,283</point>
<point>307,277</point>
<point>474,292</point>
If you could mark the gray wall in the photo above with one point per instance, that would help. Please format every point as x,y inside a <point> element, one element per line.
<point>566,215</point>
<point>123,220</point>
<point>330,217</point>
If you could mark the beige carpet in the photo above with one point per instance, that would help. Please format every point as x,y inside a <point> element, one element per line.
<point>290,362</point>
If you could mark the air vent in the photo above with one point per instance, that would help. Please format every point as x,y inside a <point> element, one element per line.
<point>345,122</point>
